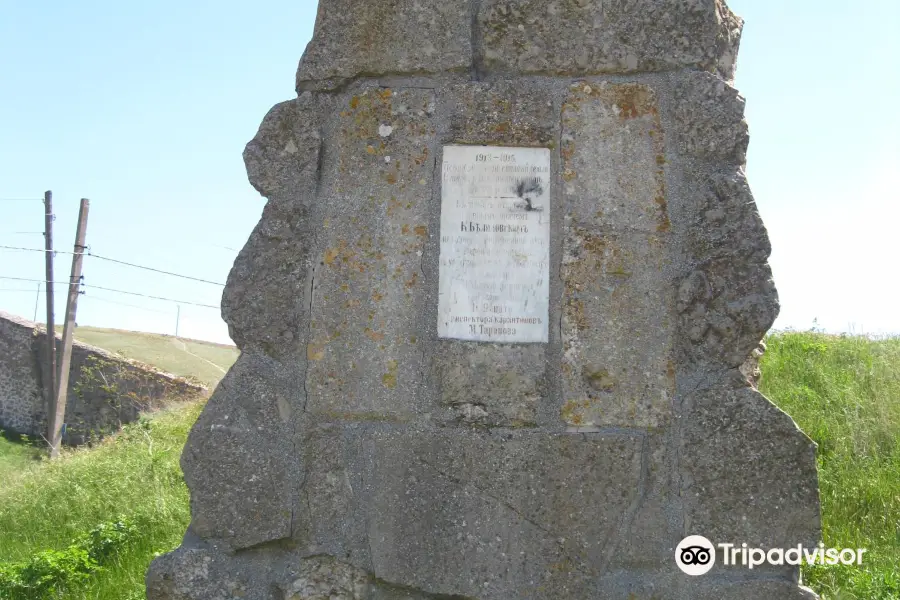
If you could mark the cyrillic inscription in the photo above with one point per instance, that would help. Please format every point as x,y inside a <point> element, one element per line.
<point>495,244</point>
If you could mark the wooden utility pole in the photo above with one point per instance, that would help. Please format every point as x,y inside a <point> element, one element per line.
<point>51,327</point>
<point>69,329</point>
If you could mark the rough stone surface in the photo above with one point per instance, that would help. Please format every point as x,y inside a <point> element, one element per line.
<point>364,351</point>
<point>709,119</point>
<point>351,453</point>
<point>492,385</point>
<point>22,404</point>
<point>750,369</point>
<point>502,113</point>
<point>244,497</point>
<point>105,390</point>
<point>594,37</point>
<point>739,450</point>
<point>725,307</point>
<point>264,306</point>
<point>355,38</point>
<point>618,318</point>
<point>724,220</point>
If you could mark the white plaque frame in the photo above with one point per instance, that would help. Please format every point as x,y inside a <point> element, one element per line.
<point>494,282</point>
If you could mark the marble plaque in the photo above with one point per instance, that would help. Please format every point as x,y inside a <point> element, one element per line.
<point>495,244</point>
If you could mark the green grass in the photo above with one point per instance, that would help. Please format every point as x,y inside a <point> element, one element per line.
<point>16,454</point>
<point>844,392</point>
<point>134,473</point>
<point>206,361</point>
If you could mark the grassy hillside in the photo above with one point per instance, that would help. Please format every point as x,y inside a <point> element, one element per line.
<point>206,361</point>
<point>845,392</point>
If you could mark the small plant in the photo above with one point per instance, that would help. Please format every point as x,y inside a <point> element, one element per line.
<point>50,573</point>
<point>46,575</point>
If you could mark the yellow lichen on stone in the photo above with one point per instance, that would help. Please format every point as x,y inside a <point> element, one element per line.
<point>389,379</point>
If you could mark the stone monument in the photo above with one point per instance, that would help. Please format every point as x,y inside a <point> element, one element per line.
<point>493,317</point>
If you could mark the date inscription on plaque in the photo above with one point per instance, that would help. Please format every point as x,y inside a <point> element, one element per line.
<point>494,283</point>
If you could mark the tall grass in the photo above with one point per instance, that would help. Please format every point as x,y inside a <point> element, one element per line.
<point>844,392</point>
<point>134,474</point>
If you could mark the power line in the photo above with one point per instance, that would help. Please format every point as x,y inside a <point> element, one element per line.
<point>162,312</point>
<point>114,260</point>
<point>122,262</point>
<point>34,280</point>
<point>21,249</point>
<point>97,287</point>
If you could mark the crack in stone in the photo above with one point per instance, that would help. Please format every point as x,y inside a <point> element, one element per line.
<point>512,509</point>
<point>636,505</point>
<point>296,420</point>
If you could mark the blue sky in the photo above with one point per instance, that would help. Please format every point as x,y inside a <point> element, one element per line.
<point>145,109</point>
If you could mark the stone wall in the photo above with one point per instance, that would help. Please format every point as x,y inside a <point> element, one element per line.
<point>105,390</point>
<point>351,452</point>
<point>22,403</point>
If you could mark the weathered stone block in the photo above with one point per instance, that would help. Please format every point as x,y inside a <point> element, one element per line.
<point>283,157</point>
<point>748,472</point>
<point>264,301</point>
<point>586,37</point>
<point>501,113</point>
<point>190,574</point>
<point>458,513</point>
<point>264,307</point>
<point>243,497</point>
<point>618,319</point>
<point>649,537</point>
<point>618,331</point>
<point>492,385</point>
<point>725,308</point>
<point>334,492</point>
<point>724,220</point>
<point>613,157</point>
<point>364,354</point>
<point>327,579</point>
<point>357,38</point>
<point>709,119</point>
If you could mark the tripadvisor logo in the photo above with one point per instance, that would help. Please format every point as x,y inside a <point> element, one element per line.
<point>696,555</point>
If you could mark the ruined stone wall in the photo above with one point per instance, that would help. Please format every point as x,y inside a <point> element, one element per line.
<point>352,453</point>
<point>21,393</point>
<point>105,390</point>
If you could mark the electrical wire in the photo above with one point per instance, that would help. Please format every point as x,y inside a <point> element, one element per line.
<point>114,260</point>
<point>162,312</point>
<point>97,287</point>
